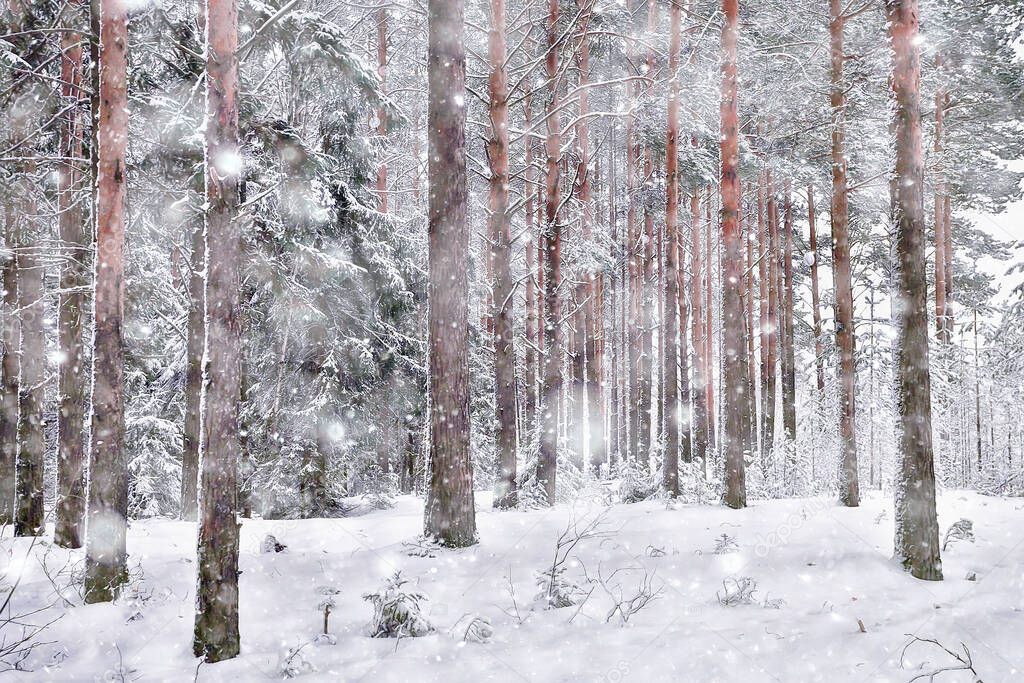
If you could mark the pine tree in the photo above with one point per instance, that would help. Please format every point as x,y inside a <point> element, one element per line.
<point>69,530</point>
<point>215,636</point>
<point>450,515</point>
<point>732,304</point>
<point>917,530</point>
<point>503,288</point>
<point>106,551</point>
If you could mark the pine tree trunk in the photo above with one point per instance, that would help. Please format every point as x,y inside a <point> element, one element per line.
<point>709,326</point>
<point>670,333</point>
<point>687,421</point>
<point>11,370</point>
<point>106,554</point>
<point>216,626</point>
<point>69,528</point>
<point>767,374</point>
<point>849,486</point>
<point>917,531</point>
<point>942,320</point>
<point>191,434</point>
<point>615,425</point>
<point>552,383</point>
<point>450,513</point>
<point>531,356</point>
<point>819,360</point>
<point>506,445</point>
<point>748,319</point>
<point>788,353</point>
<point>382,123</point>
<point>768,380</point>
<point>700,371</point>
<point>28,520</point>
<point>732,303</point>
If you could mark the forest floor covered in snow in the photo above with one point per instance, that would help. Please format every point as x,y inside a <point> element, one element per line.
<point>829,603</point>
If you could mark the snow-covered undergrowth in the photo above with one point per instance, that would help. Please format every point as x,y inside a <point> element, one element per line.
<point>824,601</point>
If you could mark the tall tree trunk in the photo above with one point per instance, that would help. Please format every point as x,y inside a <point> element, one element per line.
<point>192,434</point>
<point>849,486</point>
<point>106,554</point>
<point>767,373</point>
<point>700,370</point>
<point>670,324</point>
<point>941,306</point>
<point>28,519</point>
<point>947,233</point>
<point>382,123</point>
<point>748,319</point>
<point>11,369</point>
<point>917,530</point>
<point>533,330</point>
<point>686,417</point>
<point>647,287</point>
<point>819,360</point>
<point>747,306</point>
<point>501,256</point>
<point>216,626</point>
<point>709,326</point>
<point>450,515</point>
<point>732,303</point>
<point>768,380</point>
<point>788,353</point>
<point>615,425</point>
<point>552,384</point>
<point>69,529</point>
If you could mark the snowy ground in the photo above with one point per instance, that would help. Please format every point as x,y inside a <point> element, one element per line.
<point>819,569</point>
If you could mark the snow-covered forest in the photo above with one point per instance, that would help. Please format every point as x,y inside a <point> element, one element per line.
<point>512,340</point>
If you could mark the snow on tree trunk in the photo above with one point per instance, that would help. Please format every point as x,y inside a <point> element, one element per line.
<point>533,323</point>
<point>788,353</point>
<point>196,331</point>
<point>552,381</point>
<point>700,371</point>
<point>106,553</point>
<point>849,487</point>
<point>819,360</point>
<point>450,515</point>
<point>670,395</point>
<point>766,374</point>
<point>72,390</point>
<point>769,372</point>
<point>917,531</point>
<point>732,304</point>
<point>216,627</point>
<point>506,446</point>
<point>28,519</point>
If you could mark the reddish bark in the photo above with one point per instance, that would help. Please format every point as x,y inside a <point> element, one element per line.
<point>106,554</point>
<point>732,305</point>
<point>917,531</point>
<point>552,382</point>
<point>849,487</point>
<point>670,394</point>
